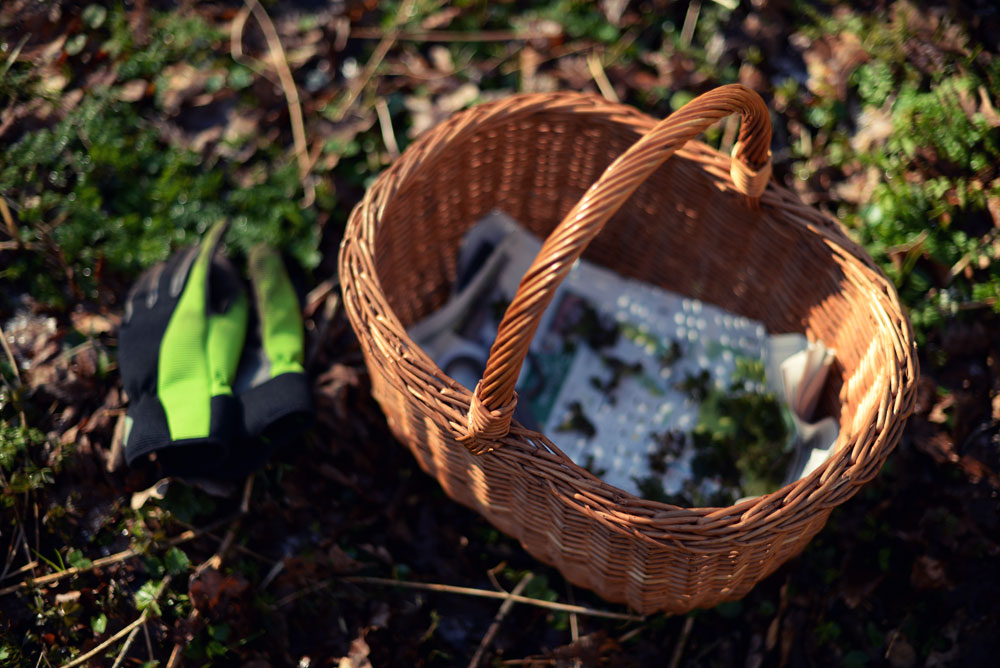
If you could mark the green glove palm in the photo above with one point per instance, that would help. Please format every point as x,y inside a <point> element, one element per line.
<point>179,346</point>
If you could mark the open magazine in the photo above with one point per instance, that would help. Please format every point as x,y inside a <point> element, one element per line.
<point>661,395</point>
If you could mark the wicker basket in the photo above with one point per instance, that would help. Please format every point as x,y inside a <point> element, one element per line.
<point>699,224</point>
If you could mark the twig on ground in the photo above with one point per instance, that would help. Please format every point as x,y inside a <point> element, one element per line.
<point>675,658</point>
<point>631,633</point>
<point>330,304</point>
<point>127,645</point>
<point>466,591</point>
<point>574,625</point>
<point>215,561</point>
<point>17,372</point>
<point>12,549</point>
<point>236,47</point>
<point>497,620</point>
<point>690,21</point>
<point>111,559</point>
<point>130,629</point>
<point>23,569</point>
<point>388,39</point>
<point>8,219</point>
<point>453,35</point>
<point>280,63</point>
<point>600,77</point>
<point>385,125</point>
<point>116,456</point>
<point>149,644</point>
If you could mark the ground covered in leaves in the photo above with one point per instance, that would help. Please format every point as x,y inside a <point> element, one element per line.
<point>126,131</point>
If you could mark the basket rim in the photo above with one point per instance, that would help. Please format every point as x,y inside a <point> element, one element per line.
<point>830,484</point>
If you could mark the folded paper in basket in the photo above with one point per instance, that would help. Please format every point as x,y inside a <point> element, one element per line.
<point>620,372</point>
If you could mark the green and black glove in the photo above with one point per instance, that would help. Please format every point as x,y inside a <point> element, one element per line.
<point>200,401</point>
<point>271,385</point>
<point>179,348</point>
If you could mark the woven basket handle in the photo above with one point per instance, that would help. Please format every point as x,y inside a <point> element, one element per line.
<point>494,398</point>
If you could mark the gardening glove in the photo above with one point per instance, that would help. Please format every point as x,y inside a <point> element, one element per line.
<point>271,384</point>
<point>179,348</point>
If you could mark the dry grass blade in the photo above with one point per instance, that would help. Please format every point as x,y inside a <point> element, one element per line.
<point>453,35</point>
<point>280,63</point>
<point>387,41</point>
<point>468,591</point>
<point>385,125</point>
<point>601,77</point>
<point>497,620</point>
<point>8,220</point>
<point>675,658</point>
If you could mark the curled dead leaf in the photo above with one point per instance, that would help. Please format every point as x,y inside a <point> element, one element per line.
<point>93,324</point>
<point>134,90</point>
<point>357,656</point>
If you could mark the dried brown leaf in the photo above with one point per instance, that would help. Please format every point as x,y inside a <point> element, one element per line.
<point>93,324</point>
<point>830,62</point>
<point>357,656</point>
<point>134,90</point>
<point>440,18</point>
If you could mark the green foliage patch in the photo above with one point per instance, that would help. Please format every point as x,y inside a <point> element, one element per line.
<point>103,190</point>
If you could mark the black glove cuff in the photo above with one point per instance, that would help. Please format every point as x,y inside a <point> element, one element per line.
<point>186,457</point>
<point>277,409</point>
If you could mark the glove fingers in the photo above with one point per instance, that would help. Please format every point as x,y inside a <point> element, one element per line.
<point>227,325</point>
<point>274,394</point>
<point>278,312</point>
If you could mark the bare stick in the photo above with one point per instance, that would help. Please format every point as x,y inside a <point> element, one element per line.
<point>131,628</point>
<point>107,561</point>
<point>675,658</point>
<point>385,125</point>
<point>467,591</point>
<point>497,620</point>
<point>215,561</point>
<point>690,21</point>
<point>13,361</point>
<point>628,635</point>
<point>601,78</point>
<point>386,43</point>
<point>128,644</point>
<point>453,35</point>
<point>280,63</point>
<point>236,47</point>
<point>574,624</point>
<point>149,644</point>
<point>23,569</point>
<point>5,210</point>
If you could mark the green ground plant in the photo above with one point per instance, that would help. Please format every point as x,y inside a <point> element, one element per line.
<point>104,191</point>
<point>929,216</point>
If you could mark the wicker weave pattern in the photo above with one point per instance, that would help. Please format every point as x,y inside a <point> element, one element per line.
<point>564,164</point>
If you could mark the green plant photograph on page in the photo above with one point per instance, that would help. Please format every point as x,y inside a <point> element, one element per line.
<point>207,397</point>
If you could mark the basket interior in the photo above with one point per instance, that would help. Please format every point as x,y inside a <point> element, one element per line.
<point>685,229</point>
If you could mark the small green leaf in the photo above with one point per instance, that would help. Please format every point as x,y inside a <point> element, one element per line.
<point>146,597</point>
<point>76,559</point>
<point>75,44</point>
<point>93,16</point>
<point>99,623</point>
<point>176,561</point>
